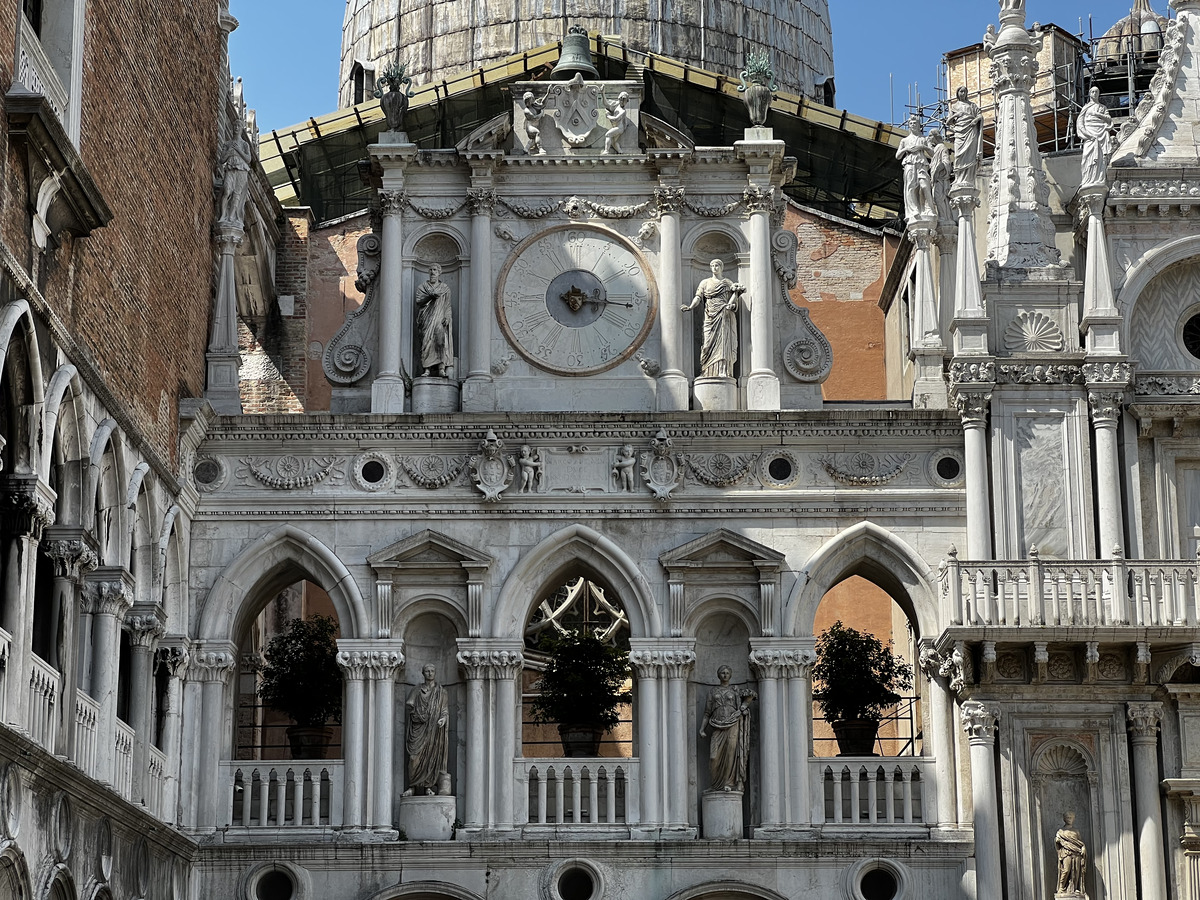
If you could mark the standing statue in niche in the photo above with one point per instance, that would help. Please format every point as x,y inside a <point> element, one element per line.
<point>235,184</point>
<point>915,156</point>
<point>1095,128</point>
<point>427,740</point>
<point>718,352</point>
<point>1072,858</point>
<point>965,125</point>
<point>727,712</point>
<point>435,324</point>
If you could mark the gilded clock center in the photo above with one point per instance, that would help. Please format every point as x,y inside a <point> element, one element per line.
<point>576,298</point>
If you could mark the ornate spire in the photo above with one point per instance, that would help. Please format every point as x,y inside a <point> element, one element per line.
<point>1020,233</point>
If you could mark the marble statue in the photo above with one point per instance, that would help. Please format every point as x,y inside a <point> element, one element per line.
<point>235,186</point>
<point>533,110</point>
<point>623,470</point>
<point>965,126</point>
<point>941,171</point>
<point>1072,857</point>
<point>915,156</point>
<point>1012,5</point>
<point>427,740</point>
<point>618,118</point>
<point>718,352</point>
<point>435,324</point>
<point>1095,128</point>
<point>531,465</point>
<point>727,712</point>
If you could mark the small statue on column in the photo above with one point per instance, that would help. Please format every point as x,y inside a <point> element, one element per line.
<point>965,125</point>
<point>427,740</point>
<point>915,156</point>
<point>1095,128</point>
<point>1072,859</point>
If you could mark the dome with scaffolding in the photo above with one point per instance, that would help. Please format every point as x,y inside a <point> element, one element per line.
<point>1138,33</point>
<point>439,40</point>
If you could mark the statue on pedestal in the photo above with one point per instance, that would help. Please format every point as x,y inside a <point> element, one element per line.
<point>1095,128</point>
<point>435,324</point>
<point>427,739</point>
<point>235,184</point>
<point>1072,858</point>
<point>718,352</point>
<point>965,125</point>
<point>915,156</point>
<point>727,712</point>
<point>534,110</point>
<point>940,173</point>
<point>618,118</point>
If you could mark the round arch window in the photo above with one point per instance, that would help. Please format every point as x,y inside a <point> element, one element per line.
<point>1191,335</point>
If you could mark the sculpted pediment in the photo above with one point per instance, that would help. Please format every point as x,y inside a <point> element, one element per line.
<point>429,550</point>
<point>722,550</point>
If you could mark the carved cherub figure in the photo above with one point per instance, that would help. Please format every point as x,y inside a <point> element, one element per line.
<point>623,470</point>
<point>618,118</point>
<point>533,110</point>
<point>530,462</point>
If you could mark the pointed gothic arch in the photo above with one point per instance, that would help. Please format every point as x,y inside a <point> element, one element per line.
<point>574,548</point>
<point>873,552</point>
<point>276,559</point>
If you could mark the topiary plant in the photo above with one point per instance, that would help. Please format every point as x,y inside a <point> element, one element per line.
<point>860,677</point>
<point>300,677</point>
<point>581,686</point>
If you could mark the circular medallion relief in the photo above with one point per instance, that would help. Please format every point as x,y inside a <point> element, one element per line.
<point>576,299</point>
<point>10,801</point>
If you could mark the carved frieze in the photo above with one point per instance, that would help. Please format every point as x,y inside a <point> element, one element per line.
<point>660,469</point>
<point>290,473</point>
<point>719,470</point>
<point>491,468</point>
<point>1166,385</point>
<point>433,471</point>
<point>1036,373</point>
<point>864,469</point>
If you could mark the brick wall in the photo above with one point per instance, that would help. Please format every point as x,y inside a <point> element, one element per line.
<point>136,294</point>
<point>841,269</point>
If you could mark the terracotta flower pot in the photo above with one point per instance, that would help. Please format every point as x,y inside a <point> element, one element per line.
<point>856,737</point>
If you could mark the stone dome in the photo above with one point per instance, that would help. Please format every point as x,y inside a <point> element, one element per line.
<point>441,39</point>
<point>1140,31</point>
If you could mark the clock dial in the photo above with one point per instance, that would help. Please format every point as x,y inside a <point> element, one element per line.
<point>576,300</point>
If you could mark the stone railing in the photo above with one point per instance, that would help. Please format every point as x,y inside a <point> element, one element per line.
<point>585,794</point>
<point>45,688</point>
<point>123,761</point>
<point>87,714</point>
<point>1084,593</point>
<point>36,73</point>
<point>283,793</point>
<point>873,790</point>
<point>156,781</point>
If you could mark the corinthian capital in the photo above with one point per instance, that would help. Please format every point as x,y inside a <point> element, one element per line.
<point>1144,720</point>
<point>145,624</point>
<point>71,558</point>
<point>392,202</point>
<point>109,598</point>
<point>481,201</point>
<point>979,720</point>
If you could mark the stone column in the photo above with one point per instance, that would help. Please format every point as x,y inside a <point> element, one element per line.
<point>354,727</point>
<point>678,665</point>
<point>71,558</point>
<point>24,514</point>
<point>387,391</point>
<point>672,384</point>
<point>383,665</point>
<point>1101,321</point>
<point>1144,721</point>
<point>145,626</point>
<point>979,722</point>
<point>970,322</point>
<point>941,724</point>
<point>211,665</point>
<point>478,393</point>
<point>797,670</point>
<point>1106,414</point>
<point>223,386</point>
<point>646,665</point>
<point>506,669</point>
<point>175,659</point>
<point>973,401</point>
<point>929,386</point>
<point>476,665</point>
<point>767,665</point>
<point>762,387</point>
<point>112,598</point>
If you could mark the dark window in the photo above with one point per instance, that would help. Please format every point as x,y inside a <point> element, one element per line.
<point>1191,335</point>
<point>358,77</point>
<point>33,12</point>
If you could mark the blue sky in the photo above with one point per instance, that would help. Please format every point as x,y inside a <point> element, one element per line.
<point>288,50</point>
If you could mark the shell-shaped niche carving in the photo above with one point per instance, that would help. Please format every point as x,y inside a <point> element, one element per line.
<point>1063,761</point>
<point>1033,332</point>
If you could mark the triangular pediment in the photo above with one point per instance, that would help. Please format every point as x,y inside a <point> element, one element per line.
<point>429,548</point>
<point>722,549</point>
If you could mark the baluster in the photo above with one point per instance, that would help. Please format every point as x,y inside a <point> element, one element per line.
<point>872,795</point>
<point>610,788</point>
<point>954,582</point>
<point>837,796</point>
<point>560,817</point>
<point>237,779</point>
<point>1120,590</point>
<point>1194,582</point>
<point>856,796</point>
<point>280,781</point>
<point>577,795</point>
<point>593,797</point>
<point>541,795</point>
<point>314,802</point>
<point>297,797</point>
<point>907,776</point>
<point>1037,588</point>
<point>889,785</point>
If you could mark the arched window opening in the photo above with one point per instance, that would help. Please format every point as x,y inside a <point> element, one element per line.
<point>578,604</point>
<point>124,677</point>
<point>865,607</point>
<point>261,732</point>
<point>162,682</point>
<point>47,612</point>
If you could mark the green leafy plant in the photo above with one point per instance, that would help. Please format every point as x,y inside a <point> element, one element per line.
<point>860,677</point>
<point>300,677</point>
<point>582,683</point>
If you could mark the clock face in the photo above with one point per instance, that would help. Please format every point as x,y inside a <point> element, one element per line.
<point>576,300</point>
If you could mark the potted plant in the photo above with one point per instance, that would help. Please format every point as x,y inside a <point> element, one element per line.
<point>301,679</point>
<point>860,679</point>
<point>581,689</point>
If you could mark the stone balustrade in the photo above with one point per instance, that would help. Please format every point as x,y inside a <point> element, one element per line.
<point>283,793</point>
<point>87,714</point>
<point>1088,593</point>
<point>156,775</point>
<point>123,766</point>
<point>583,794</point>
<point>45,688</point>
<point>5,650</point>
<point>874,790</point>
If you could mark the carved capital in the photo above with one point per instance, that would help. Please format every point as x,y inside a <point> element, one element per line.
<point>1144,720</point>
<point>392,202</point>
<point>383,664</point>
<point>669,199</point>
<point>973,406</point>
<point>109,598</point>
<point>964,201</point>
<point>979,721</point>
<point>481,201</point>
<point>354,663</point>
<point>496,664</point>
<point>145,624</point>
<point>1106,406</point>
<point>71,558</point>
<point>758,199</point>
<point>24,511</point>
<point>175,659</point>
<point>678,663</point>
<point>212,664</point>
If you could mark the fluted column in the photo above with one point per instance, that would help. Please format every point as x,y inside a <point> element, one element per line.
<point>1106,402</point>
<point>979,722</point>
<point>175,659</point>
<point>1144,722</point>
<point>212,666</point>
<point>383,665</point>
<point>672,385</point>
<point>387,392</point>
<point>677,666</point>
<point>478,395</point>
<point>762,387</point>
<point>112,598</point>
<point>646,665</point>
<point>352,658</point>
<point>145,627</point>
<point>973,400</point>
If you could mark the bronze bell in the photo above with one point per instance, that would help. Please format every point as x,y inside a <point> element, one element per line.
<point>576,57</point>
